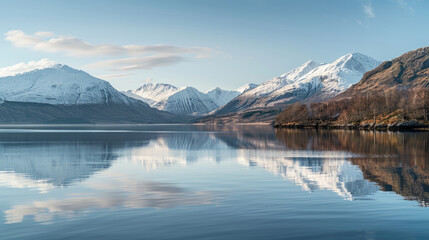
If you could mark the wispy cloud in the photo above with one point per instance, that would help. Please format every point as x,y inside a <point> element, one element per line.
<point>134,56</point>
<point>50,42</point>
<point>25,67</point>
<point>368,10</point>
<point>148,62</point>
<point>115,75</point>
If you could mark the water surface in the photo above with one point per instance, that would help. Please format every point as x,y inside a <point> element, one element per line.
<point>206,182</point>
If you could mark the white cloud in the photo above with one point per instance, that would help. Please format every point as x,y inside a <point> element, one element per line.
<point>369,10</point>
<point>44,34</point>
<point>115,75</point>
<point>134,57</point>
<point>129,64</point>
<point>25,67</point>
<point>49,42</point>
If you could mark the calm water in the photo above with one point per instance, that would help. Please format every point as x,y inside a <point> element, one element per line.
<point>195,182</point>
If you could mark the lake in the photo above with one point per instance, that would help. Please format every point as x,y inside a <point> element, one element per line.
<point>211,182</point>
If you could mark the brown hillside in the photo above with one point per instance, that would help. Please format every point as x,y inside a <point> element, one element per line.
<point>410,70</point>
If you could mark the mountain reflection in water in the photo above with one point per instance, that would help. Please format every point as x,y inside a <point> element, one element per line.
<point>352,164</point>
<point>396,162</point>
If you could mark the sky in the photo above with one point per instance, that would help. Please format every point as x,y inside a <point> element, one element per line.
<point>202,43</point>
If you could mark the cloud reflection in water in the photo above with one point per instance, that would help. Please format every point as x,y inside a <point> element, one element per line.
<point>126,193</point>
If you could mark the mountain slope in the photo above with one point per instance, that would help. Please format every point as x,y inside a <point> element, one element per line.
<point>246,87</point>
<point>393,96</point>
<point>222,97</point>
<point>59,84</point>
<point>154,92</point>
<point>410,70</point>
<point>60,93</point>
<point>309,82</point>
<point>187,101</point>
<point>184,101</point>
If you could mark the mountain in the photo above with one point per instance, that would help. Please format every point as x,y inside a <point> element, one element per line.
<point>59,93</point>
<point>246,87</point>
<point>185,100</point>
<point>310,82</point>
<point>222,97</point>
<point>59,85</point>
<point>410,70</point>
<point>153,93</point>
<point>393,96</point>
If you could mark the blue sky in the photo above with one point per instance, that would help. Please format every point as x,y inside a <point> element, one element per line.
<point>205,43</point>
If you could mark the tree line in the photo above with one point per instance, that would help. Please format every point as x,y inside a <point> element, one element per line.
<point>406,103</point>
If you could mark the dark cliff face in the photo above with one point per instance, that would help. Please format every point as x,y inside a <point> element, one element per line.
<point>410,70</point>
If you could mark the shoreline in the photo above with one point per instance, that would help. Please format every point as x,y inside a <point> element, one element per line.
<point>403,126</point>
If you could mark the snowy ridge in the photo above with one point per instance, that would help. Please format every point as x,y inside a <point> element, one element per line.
<point>279,82</point>
<point>26,67</point>
<point>222,97</point>
<point>185,100</point>
<point>59,85</point>
<point>310,82</point>
<point>155,92</point>
<point>246,87</point>
<point>188,101</point>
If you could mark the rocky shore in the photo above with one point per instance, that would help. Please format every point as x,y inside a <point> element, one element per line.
<point>399,126</point>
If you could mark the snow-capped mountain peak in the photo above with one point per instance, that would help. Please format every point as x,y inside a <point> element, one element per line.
<point>222,97</point>
<point>300,71</point>
<point>64,68</point>
<point>283,80</point>
<point>356,61</point>
<point>155,91</point>
<point>59,85</point>
<point>339,75</point>
<point>21,68</point>
<point>184,100</point>
<point>188,101</point>
<point>309,82</point>
<point>246,87</point>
